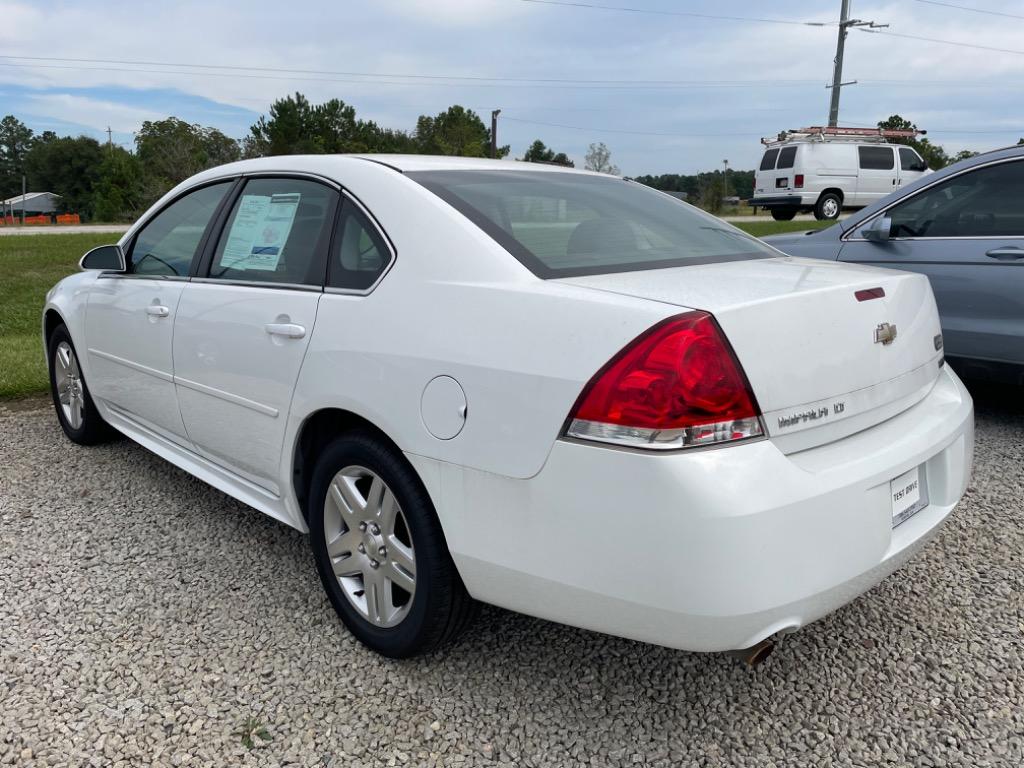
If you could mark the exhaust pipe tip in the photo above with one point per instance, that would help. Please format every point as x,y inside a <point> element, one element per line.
<point>753,656</point>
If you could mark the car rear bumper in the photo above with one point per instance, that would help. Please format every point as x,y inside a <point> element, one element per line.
<point>710,549</point>
<point>778,201</point>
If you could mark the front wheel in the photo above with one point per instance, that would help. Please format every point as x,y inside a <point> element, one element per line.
<point>783,214</point>
<point>76,412</point>
<point>828,207</point>
<point>380,551</point>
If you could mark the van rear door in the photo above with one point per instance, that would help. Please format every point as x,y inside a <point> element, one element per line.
<point>784,169</point>
<point>764,179</point>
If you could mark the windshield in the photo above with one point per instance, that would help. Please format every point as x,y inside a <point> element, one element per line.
<point>569,224</point>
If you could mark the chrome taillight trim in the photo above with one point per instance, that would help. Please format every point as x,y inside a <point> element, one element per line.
<point>717,433</point>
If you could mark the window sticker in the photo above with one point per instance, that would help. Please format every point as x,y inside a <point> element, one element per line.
<point>259,232</point>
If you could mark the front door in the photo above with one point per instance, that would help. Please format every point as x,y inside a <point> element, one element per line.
<point>967,234</point>
<point>243,324</point>
<point>130,318</point>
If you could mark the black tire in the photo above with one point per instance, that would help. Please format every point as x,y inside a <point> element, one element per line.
<point>93,429</point>
<point>828,207</point>
<point>783,214</point>
<point>439,607</point>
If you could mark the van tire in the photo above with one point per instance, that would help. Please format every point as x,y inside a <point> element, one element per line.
<point>783,214</point>
<point>828,207</point>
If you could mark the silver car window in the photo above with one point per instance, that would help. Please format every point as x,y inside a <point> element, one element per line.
<point>981,203</point>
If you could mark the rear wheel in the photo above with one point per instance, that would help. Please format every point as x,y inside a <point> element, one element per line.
<point>828,207</point>
<point>380,551</point>
<point>76,412</point>
<point>783,214</point>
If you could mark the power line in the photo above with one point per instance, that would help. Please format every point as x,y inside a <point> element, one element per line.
<point>633,133</point>
<point>688,14</point>
<point>944,42</point>
<point>499,82</point>
<point>389,75</point>
<point>972,10</point>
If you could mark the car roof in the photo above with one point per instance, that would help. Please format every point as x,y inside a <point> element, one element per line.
<point>333,166</point>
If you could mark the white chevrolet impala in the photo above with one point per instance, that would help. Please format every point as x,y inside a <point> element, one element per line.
<point>555,391</point>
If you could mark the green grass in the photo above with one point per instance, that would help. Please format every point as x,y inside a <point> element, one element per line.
<point>772,227</point>
<point>29,266</point>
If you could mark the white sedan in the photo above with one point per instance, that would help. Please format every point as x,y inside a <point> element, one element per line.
<point>558,392</point>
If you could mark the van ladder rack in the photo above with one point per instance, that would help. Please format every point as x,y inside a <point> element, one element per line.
<point>838,133</point>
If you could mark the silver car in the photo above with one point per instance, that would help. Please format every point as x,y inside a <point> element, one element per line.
<point>963,227</point>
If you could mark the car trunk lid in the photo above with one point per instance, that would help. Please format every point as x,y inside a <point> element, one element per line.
<point>824,358</point>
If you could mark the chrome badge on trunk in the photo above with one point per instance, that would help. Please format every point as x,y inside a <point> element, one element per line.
<point>885,333</point>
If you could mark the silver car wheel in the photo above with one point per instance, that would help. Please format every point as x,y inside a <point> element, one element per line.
<point>830,208</point>
<point>70,389</point>
<point>369,546</point>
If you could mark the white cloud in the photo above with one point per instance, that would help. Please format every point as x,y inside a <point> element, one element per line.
<point>510,38</point>
<point>93,113</point>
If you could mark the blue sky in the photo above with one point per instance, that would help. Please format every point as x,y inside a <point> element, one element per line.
<point>729,81</point>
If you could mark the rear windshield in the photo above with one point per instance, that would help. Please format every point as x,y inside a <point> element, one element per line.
<point>768,160</point>
<point>786,157</point>
<point>568,224</point>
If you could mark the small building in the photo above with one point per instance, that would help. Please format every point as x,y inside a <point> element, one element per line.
<point>33,203</point>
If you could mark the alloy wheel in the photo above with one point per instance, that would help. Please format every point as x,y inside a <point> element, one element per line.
<point>369,546</point>
<point>70,389</point>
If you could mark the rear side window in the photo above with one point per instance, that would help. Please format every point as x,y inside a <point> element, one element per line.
<point>786,157</point>
<point>876,158</point>
<point>166,245</point>
<point>565,224</point>
<point>359,254</point>
<point>911,161</point>
<point>277,233</point>
<point>768,160</point>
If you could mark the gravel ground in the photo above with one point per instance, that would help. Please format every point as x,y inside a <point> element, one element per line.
<point>146,619</point>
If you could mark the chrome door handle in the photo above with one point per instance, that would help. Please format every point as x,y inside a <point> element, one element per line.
<point>288,330</point>
<point>1009,253</point>
<point>155,310</point>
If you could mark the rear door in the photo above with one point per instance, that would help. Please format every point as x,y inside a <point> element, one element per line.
<point>877,173</point>
<point>243,324</point>
<point>967,234</point>
<point>764,178</point>
<point>130,318</point>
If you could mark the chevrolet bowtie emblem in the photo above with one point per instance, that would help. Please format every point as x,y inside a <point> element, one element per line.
<point>885,333</point>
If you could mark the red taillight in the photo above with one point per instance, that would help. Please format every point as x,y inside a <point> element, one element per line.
<point>674,386</point>
<point>798,180</point>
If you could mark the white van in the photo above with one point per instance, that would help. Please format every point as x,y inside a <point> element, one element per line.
<point>825,170</point>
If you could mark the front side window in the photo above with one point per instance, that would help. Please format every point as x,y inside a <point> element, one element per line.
<point>166,245</point>
<point>359,254</point>
<point>980,203</point>
<point>876,158</point>
<point>565,224</point>
<point>277,232</point>
<point>786,157</point>
<point>911,161</point>
<point>768,160</point>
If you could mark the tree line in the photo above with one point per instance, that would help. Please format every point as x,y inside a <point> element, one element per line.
<point>106,182</point>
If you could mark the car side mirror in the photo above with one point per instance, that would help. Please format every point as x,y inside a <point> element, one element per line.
<point>879,230</point>
<point>106,258</point>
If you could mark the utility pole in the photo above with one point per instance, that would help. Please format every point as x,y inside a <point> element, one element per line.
<point>845,22</point>
<point>494,132</point>
<point>23,193</point>
<point>725,180</point>
<point>110,143</point>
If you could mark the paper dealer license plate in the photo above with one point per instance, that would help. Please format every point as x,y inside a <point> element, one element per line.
<point>909,495</point>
